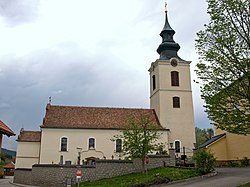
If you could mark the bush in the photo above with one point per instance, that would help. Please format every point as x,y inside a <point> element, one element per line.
<point>205,161</point>
<point>1,175</point>
<point>244,162</point>
<point>233,164</point>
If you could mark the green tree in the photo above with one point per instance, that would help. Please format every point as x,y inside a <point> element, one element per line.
<point>224,49</point>
<point>202,135</point>
<point>205,161</point>
<point>140,137</point>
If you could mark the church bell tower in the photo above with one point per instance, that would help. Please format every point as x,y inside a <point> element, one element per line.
<point>171,93</point>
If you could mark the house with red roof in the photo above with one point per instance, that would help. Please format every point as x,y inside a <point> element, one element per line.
<point>4,130</point>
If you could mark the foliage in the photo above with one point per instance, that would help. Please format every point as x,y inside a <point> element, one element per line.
<point>205,161</point>
<point>2,160</point>
<point>202,135</point>
<point>245,185</point>
<point>224,46</point>
<point>140,137</point>
<point>2,157</point>
<point>154,176</point>
<point>245,162</point>
<point>233,164</point>
<point>1,175</point>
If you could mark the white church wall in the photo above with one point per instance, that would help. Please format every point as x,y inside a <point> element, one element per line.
<point>27,154</point>
<point>78,138</point>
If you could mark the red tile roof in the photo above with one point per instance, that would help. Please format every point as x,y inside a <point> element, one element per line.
<point>76,117</point>
<point>6,130</point>
<point>29,136</point>
<point>9,166</point>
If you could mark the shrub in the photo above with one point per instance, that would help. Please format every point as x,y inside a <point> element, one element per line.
<point>244,162</point>
<point>233,164</point>
<point>1,175</point>
<point>205,161</point>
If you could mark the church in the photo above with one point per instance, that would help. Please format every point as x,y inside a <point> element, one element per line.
<point>72,132</point>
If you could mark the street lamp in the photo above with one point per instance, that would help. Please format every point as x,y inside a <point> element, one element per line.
<point>79,155</point>
<point>171,145</point>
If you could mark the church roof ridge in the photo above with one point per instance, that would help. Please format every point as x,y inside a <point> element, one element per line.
<point>77,117</point>
<point>101,107</point>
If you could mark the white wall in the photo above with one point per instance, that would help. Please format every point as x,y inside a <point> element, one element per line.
<point>50,144</point>
<point>180,121</point>
<point>27,154</point>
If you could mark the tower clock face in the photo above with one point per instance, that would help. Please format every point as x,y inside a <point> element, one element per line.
<point>174,62</point>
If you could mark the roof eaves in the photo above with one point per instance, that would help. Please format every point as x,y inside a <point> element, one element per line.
<point>212,141</point>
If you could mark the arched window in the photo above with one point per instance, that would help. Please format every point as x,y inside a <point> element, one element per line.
<point>174,78</point>
<point>118,146</point>
<point>64,143</point>
<point>176,102</point>
<point>91,143</point>
<point>153,82</point>
<point>177,145</point>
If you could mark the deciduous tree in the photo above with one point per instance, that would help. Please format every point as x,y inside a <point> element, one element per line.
<point>224,48</point>
<point>140,137</point>
<point>202,135</point>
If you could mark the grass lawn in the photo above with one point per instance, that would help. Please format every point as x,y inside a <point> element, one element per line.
<point>154,176</point>
<point>245,185</point>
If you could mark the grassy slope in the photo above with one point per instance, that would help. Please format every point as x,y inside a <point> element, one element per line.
<point>245,185</point>
<point>158,174</point>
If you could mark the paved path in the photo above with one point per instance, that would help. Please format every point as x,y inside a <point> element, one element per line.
<point>226,177</point>
<point>6,182</point>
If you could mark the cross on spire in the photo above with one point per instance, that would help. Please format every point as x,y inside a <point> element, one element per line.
<point>168,48</point>
<point>166,6</point>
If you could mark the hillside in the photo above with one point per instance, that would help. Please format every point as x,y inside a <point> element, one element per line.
<point>8,152</point>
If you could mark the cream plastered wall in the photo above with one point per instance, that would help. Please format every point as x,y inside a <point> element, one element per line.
<point>180,121</point>
<point>219,149</point>
<point>238,146</point>
<point>27,154</point>
<point>78,138</point>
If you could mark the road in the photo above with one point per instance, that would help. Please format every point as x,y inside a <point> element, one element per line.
<point>5,182</point>
<point>226,177</point>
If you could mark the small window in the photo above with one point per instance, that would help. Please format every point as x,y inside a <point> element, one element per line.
<point>176,102</point>
<point>174,78</point>
<point>153,81</point>
<point>91,143</point>
<point>177,146</point>
<point>64,142</point>
<point>118,145</point>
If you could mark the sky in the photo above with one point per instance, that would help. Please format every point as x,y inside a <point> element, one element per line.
<point>87,53</point>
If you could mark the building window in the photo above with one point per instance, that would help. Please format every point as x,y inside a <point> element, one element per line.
<point>91,143</point>
<point>118,147</point>
<point>177,146</point>
<point>174,78</point>
<point>64,142</point>
<point>176,102</point>
<point>153,81</point>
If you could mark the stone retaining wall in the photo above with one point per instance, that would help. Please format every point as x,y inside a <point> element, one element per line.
<point>57,175</point>
<point>23,176</point>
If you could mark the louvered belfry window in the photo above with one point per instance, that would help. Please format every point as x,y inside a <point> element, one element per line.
<point>175,78</point>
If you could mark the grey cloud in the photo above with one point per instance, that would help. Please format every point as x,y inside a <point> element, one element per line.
<point>16,12</point>
<point>70,77</point>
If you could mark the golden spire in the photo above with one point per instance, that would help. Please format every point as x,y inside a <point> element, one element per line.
<point>166,6</point>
